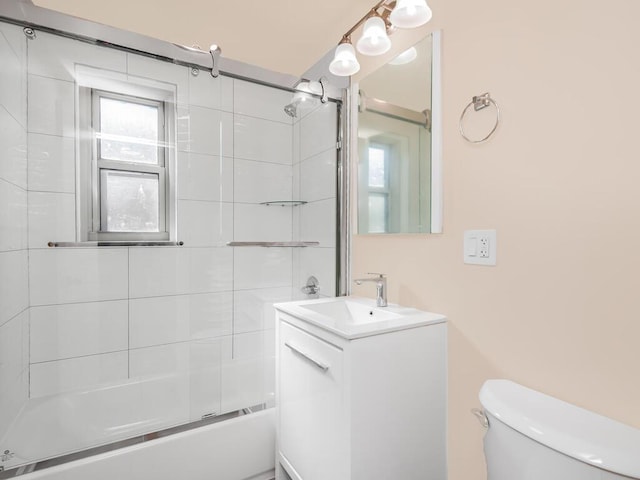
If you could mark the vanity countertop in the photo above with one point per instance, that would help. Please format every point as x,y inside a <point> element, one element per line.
<point>355,317</point>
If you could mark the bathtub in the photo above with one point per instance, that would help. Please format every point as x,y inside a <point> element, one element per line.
<point>241,448</point>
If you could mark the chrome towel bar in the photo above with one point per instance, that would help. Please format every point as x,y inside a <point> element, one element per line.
<point>273,244</point>
<point>114,243</point>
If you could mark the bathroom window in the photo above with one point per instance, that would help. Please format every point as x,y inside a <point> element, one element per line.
<point>125,164</point>
<point>378,187</point>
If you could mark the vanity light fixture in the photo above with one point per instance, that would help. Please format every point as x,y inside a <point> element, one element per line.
<point>410,13</point>
<point>405,57</point>
<point>374,40</point>
<point>379,22</point>
<point>344,62</point>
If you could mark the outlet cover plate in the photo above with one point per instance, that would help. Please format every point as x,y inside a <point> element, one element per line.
<point>480,247</point>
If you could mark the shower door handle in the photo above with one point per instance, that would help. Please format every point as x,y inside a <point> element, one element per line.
<point>322,366</point>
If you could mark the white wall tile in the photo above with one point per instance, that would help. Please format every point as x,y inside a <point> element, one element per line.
<point>83,373</point>
<point>263,140</point>
<point>51,163</point>
<point>246,345</point>
<point>52,217</point>
<point>318,222</point>
<point>15,390</point>
<point>205,177</point>
<point>256,182</point>
<point>194,364</point>
<point>78,329</point>
<point>14,286</point>
<point>56,57</point>
<point>13,149</point>
<point>269,372</point>
<point>16,38</point>
<point>13,226</point>
<point>295,188</point>
<point>253,309</point>
<point>26,327</point>
<point>321,263</point>
<point>11,348</point>
<point>260,101</point>
<point>182,270</point>
<point>211,131</point>
<point>318,176</point>
<point>205,224</point>
<point>243,371</point>
<point>259,267</point>
<point>183,129</point>
<point>158,71</point>
<point>51,106</point>
<point>159,361</point>
<point>206,91</point>
<point>59,275</point>
<point>262,223</point>
<point>12,80</point>
<point>179,318</point>
<point>204,378</point>
<point>318,131</point>
<point>296,142</point>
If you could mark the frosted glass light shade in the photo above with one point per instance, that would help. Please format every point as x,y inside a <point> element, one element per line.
<point>410,13</point>
<point>374,40</point>
<point>405,57</point>
<point>344,62</point>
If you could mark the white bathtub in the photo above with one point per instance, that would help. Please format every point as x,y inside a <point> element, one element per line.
<point>237,449</point>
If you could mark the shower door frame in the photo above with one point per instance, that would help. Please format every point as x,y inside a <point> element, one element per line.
<point>24,13</point>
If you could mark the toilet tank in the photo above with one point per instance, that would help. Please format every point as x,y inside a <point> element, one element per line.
<point>533,436</point>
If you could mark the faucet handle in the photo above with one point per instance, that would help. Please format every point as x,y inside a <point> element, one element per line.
<point>379,275</point>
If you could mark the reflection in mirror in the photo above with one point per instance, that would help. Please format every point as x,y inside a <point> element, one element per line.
<point>395,145</point>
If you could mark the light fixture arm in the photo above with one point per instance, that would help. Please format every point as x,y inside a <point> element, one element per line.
<point>385,4</point>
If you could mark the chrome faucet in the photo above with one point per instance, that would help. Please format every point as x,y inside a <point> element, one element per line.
<point>381,287</point>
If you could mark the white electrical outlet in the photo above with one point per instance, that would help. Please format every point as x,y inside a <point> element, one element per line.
<point>483,247</point>
<point>480,247</point>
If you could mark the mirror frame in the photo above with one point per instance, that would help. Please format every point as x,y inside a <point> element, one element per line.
<point>436,145</point>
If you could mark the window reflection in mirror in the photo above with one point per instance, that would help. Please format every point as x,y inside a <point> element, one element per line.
<point>394,145</point>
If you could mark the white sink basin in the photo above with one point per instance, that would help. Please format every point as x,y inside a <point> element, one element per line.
<point>355,317</point>
<point>350,311</point>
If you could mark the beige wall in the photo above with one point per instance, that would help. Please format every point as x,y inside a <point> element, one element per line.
<point>560,182</point>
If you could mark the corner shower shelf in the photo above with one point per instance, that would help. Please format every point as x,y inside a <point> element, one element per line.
<point>284,203</point>
<point>273,244</point>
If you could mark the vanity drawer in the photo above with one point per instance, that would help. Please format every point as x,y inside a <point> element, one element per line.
<point>311,405</point>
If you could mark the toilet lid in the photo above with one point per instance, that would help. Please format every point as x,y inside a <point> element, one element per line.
<point>566,428</point>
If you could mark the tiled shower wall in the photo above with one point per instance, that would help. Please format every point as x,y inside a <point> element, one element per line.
<point>200,312</point>
<point>14,301</point>
<point>190,328</point>
<point>315,182</point>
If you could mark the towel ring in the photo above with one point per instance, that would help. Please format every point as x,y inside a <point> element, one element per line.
<point>480,102</point>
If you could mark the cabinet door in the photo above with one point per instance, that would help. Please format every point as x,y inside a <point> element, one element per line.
<point>313,428</point>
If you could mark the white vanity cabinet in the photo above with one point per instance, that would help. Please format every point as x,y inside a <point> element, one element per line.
<point>361,403</point>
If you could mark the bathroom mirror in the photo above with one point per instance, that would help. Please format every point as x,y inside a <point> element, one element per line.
<point>398,148</point>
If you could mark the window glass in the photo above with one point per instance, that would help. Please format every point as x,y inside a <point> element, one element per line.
<point>128,131</point>
<point>129,201</point>
<point>377,213</point>
<point>377,171</point>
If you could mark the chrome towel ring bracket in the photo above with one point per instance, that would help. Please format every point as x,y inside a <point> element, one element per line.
<point>479,103</point>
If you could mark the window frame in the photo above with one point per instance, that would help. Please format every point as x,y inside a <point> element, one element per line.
<point>91,84</point>
<point>98,164</point>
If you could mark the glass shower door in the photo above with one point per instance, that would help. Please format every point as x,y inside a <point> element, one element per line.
<point>104,344</point>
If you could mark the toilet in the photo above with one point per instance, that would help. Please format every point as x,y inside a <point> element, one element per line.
<point>532,436</point>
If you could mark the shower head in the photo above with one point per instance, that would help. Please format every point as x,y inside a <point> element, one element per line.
<point>291,109</point>
<point>300,103</point>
